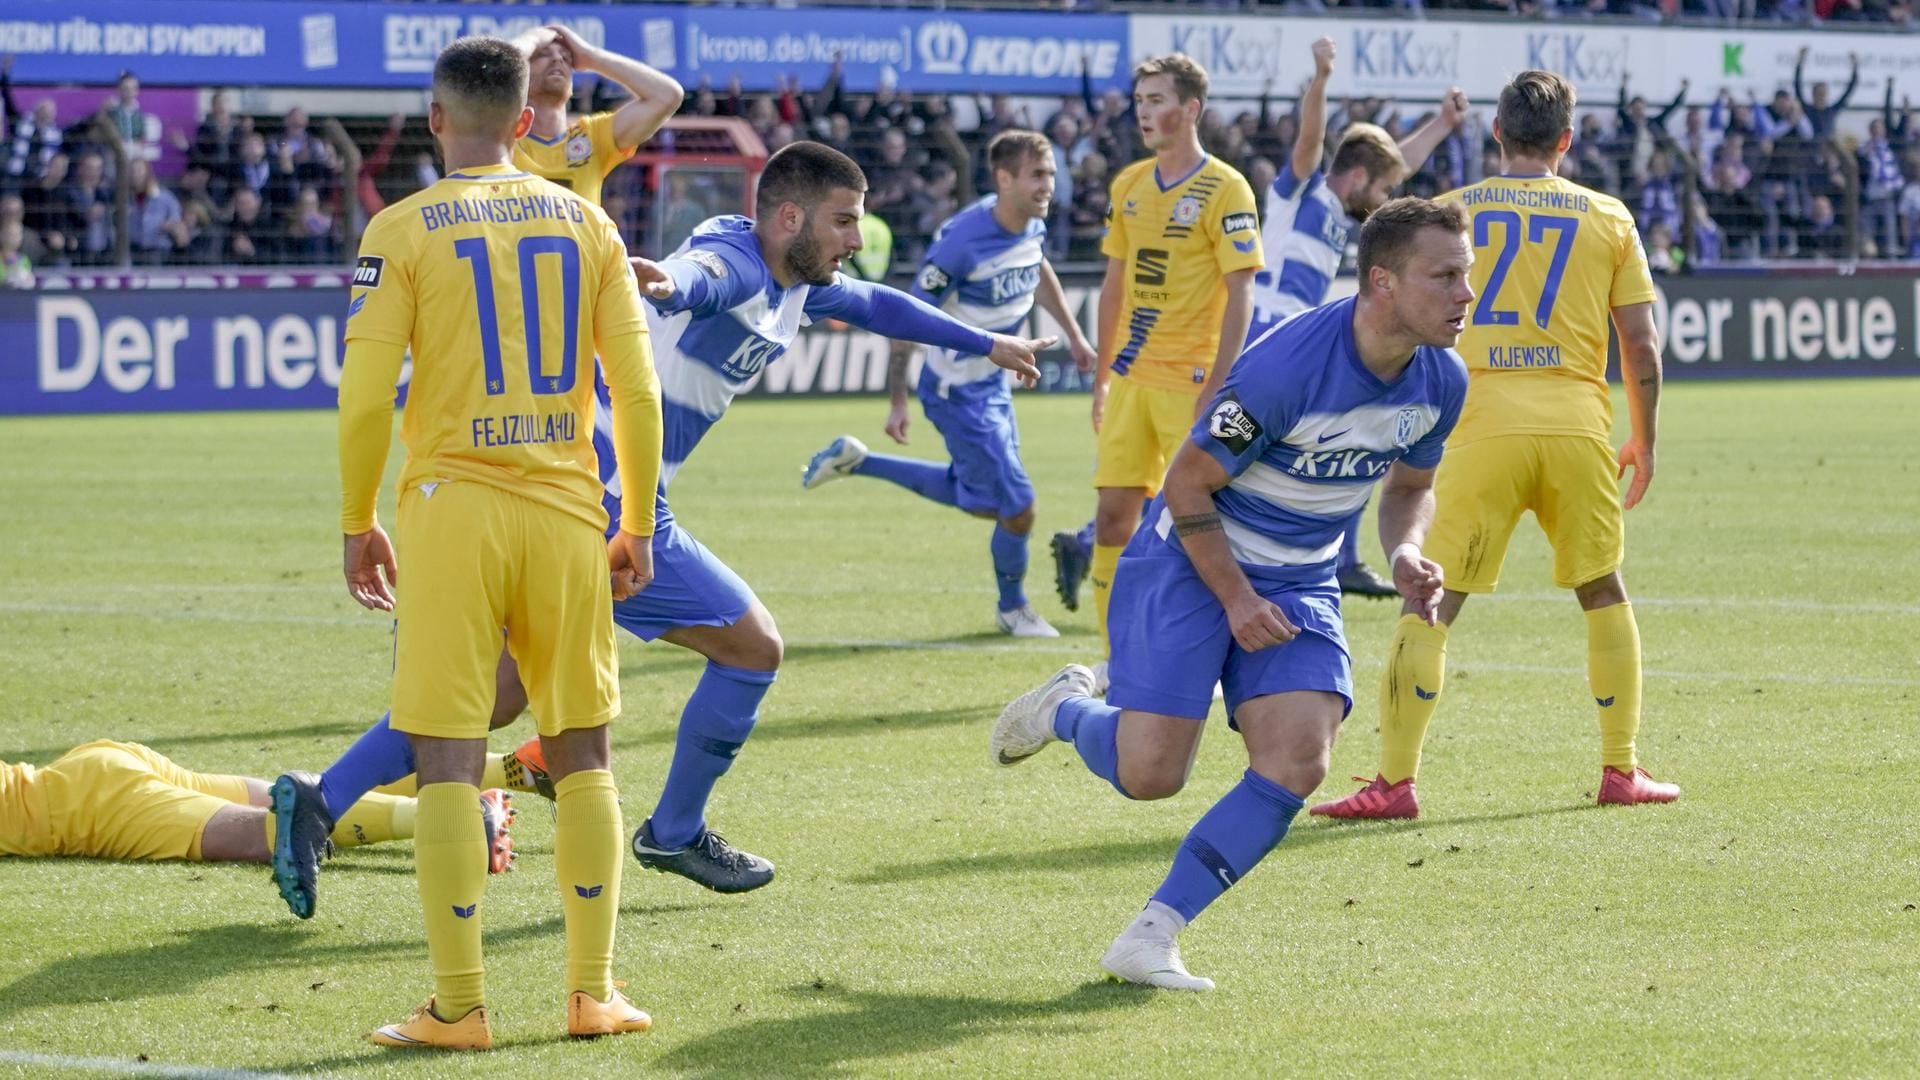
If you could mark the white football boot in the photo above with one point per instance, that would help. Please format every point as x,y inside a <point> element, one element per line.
<point>1026,725</point>
<point>838,460</point>
<point>1023,621</point>
<point>1151,960</point>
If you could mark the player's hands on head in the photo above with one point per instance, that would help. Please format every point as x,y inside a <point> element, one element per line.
<point>1635,454</point>
<point>630,561</point>
<point>1258,623</point>
<point>1323,56</point>
<point>1016,355</point>
<point>652,280</point>
<point>530,40</point>
<point>897,422</point>
<point>1420,581</point>
<point>366,558</point>
<point>579,50</point>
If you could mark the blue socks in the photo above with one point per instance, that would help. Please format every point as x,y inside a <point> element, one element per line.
<point>1350,547</point>
<point>1227,843</point>
<point>380,756</point>
<point>1092,726</point>
<point>926,478</point>
<point>1009,566</point>
<point>717,719</point>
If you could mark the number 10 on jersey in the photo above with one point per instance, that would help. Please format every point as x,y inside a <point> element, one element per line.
<point>528,253</point>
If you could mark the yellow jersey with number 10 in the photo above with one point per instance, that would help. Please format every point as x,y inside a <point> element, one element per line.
<point>1178,241</point>
<point>502,284</point>
<point>578,160</point>
<point>1551,261</point>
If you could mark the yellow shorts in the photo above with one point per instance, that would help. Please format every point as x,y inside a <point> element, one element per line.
<point>475,561</point>
<point>1142,430</point>
<point>113,800</point>
<point>1568,481</point>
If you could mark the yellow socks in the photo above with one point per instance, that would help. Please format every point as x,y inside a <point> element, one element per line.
<point>375,819</point>
<point>492,775</point>
<point>589,850</point>
<point>450,859</point>
<point>1105,561</point>
<point>1409,691</point>
<point>1613,671</point>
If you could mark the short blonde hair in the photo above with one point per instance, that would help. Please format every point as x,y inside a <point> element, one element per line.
<point>1369,146</point>
<point>1189,78</point>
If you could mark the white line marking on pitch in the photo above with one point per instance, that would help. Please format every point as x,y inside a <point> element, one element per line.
<point>1064,648</point>
<point>132,1068</point>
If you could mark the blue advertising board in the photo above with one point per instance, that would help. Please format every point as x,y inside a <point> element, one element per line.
<point>275,343</point>
<point>195,42</point>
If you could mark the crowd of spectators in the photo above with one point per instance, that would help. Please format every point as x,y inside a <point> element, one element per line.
<point>1725,181</point>
<point>1793,176</point>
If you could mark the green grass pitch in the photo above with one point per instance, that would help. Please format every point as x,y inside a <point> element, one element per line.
<point>175,580</point>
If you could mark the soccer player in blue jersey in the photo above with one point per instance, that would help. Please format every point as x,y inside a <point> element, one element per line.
<point>987,266</point>
<point>725,305</point>
<point>1230,578</point>
<point>1309,215</point>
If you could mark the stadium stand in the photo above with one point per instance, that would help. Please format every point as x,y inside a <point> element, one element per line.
<point>1810,174</point>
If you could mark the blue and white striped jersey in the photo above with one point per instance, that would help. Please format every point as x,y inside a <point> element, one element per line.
<point>728,318</point>
<point>1305,430</point>
<point>1305,235</point>
<point>985,276</point>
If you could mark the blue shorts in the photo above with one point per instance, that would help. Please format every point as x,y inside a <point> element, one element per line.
<point>1170,642</point>
<point>984,446</point>
<point>690,587</point>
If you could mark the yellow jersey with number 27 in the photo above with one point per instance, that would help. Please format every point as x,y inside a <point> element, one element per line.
<point>1551,261</point>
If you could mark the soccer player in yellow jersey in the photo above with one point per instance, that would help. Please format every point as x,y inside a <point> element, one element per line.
<point>1182,245</point>
<point>115,800</point>
<point>1553,262</point>
<point>578,153</point>
<point>504,286</point>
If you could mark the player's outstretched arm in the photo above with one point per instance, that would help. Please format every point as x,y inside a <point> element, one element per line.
<point>656,97</point>
<point>890,312</point>
<point>1406,513</point>
<point>1310,142</point>
<point>1194,476</point>
<point>1640,371</point>
<point>1053,299</point>
<point>368,379</point>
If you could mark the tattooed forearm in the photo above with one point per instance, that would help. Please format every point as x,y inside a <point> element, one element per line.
<point>1196,523</point>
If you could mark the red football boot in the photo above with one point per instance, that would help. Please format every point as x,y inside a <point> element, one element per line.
<point>1630,788</point>
<point>1379,801</point>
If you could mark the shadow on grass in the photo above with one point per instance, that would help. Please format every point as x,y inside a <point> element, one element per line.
<point>170,745</point>
<point>855,1026</point>
<point>1111,853</point>
<point>177,964</point>
<point>778,729</point>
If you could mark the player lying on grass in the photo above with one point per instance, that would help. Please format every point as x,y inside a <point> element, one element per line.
<point>115,800</point>
<point>988,266</point>
<point>1230,578</point>
<point>725,305</point>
